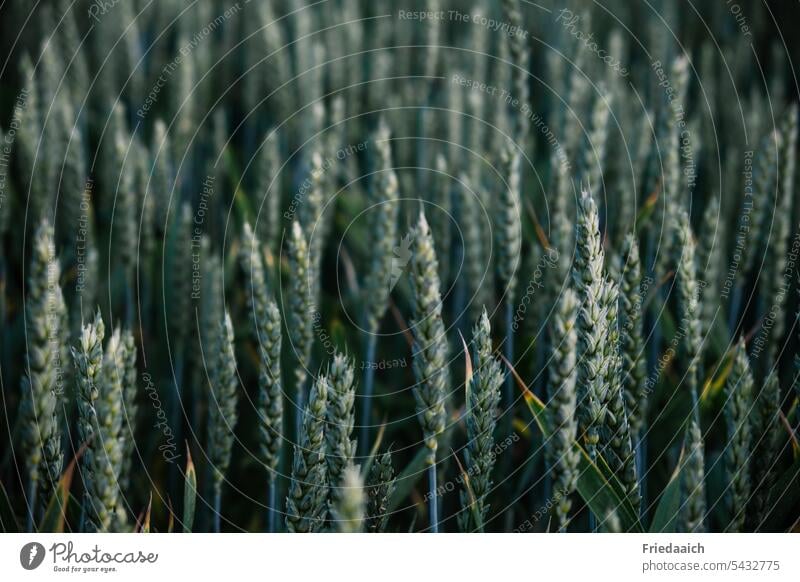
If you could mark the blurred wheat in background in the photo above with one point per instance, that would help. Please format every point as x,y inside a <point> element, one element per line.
<point>399,265</point>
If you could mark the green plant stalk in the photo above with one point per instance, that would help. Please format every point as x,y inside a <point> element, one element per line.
<point>217,508</point>
<point>272,509</point>
<point>33,490</point>
<point>433,507</point>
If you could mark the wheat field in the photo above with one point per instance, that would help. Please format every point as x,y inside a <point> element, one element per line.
<point>399,266</point>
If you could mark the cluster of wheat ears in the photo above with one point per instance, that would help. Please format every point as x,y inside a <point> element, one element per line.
<point>433,265</point>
